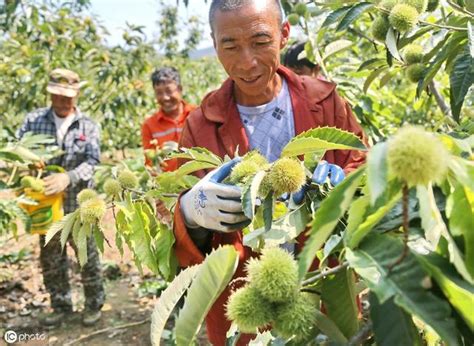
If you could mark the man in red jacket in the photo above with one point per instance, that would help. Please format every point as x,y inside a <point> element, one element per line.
<point>261,106</point>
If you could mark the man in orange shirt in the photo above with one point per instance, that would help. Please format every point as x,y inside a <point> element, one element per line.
<point>167,123</point>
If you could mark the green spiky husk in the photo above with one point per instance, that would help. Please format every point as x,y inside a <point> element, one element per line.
<point>287,175</point>
<point>86,195</point>
<point>301,8</point>
<point>415,72</point>
<point>293,19</point>
<point>432,5</point>
<point>112,187</point>
<point>413,53</point>
<point>274,274</point>
<point>380,28</point>
<point>93,210</point>
<point>419,5</point>
<point>403,17</point>
<point>417,157</point>
<point>128,179</point>
<point>248,309</point>
<point>296,318</point>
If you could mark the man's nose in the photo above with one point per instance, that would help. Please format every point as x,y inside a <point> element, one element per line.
<point>247,59</point>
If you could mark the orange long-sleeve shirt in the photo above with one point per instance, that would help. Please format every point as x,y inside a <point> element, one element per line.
<point>163,129</point>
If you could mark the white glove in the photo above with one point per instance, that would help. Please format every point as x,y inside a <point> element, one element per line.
<point>56,183</point>
<point>213,205</point>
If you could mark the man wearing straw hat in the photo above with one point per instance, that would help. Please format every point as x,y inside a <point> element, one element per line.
<point>78,136</point>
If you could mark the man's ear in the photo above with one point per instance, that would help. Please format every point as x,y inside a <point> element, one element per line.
<point>285,34</point>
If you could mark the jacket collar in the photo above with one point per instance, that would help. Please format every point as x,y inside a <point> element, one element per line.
<point>220,107</point>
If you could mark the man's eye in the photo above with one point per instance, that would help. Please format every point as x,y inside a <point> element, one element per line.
<point>229,48</point>
<point>262,43</point>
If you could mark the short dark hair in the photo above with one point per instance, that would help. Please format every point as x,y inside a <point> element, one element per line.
<point>291,59</point>
<point>164,75</point>
<point>230,5</point>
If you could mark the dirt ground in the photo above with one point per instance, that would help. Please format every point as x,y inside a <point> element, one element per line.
<point>130,297</point>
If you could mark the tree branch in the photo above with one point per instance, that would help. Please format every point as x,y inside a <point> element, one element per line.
<point>440,100</point>
<point>460,9</point>
<point>326,273</point>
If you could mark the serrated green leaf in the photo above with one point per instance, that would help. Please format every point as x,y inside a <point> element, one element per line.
<point>391,42</point>
<point>339,298</point>
<point>193,166</point>
<point>374,215</point>
<point>81,244</point>
<point>68,227</point>
<point>461,79</point>
<point>351,15</point>
<point>403,283</point>
<point>211,279</point>
<point>322,138</point>
<point>57,227</point>
<point>140,238</point>
<point>377,170</point>
<point>326,218</point>
<point>336,47</point>
<point>334,16</point>
<point>168,300</point>
<point>199,154</point>
<point>329,328</point>
<point>435,227</point>
<point>371,64</point>
<point>391,324</point>
<point>374,74</point>
<point>164,250</point>
<point>459,292</point>
<point>461,221</point>
<point>250,194</point>
<point>98,237</point>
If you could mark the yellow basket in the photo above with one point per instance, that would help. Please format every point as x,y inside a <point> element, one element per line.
<point>48,210</point>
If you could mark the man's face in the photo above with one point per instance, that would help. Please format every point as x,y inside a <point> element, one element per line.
<point>63,105</point>
<point>169,96</point>
<point>248,43</point>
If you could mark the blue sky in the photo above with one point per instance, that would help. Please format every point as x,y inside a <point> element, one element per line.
<point>115,13</point>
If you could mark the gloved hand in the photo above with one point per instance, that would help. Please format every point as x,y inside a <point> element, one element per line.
<point>320,174</point>
<point>56,183</point>
<point>213,205</point>
<point>325,169</point>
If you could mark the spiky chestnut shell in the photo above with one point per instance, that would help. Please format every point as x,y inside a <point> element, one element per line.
<point>301,8</point>
<point>293,19</point>
<point>287,175</point>
<point>403,17</point>
<point>128,179</point>
<point>250,164</point>
<point>388,4</point>
<point>33,183</point>
<point>248,309</point>
<point>415,72</point>
<point>93,210</point>
<point>274,275</point>
<point>380,28</point>
<point>419,5</point>
<point>296,318</point>
<point>85,195</point>
<point>432,5</point>
<point>413,53</point>
<point>112,187</point>
<point>417,157</point>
